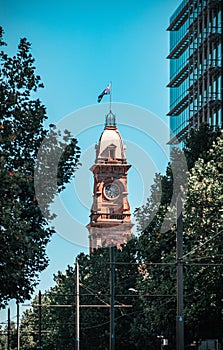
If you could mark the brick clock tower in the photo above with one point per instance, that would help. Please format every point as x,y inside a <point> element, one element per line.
<point>110,221</point>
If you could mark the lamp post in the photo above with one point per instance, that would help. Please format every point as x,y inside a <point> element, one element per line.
<point>179,262</point>
<point>112,298</point>
<point>77,314</point>
<point>18,326</point>
<point>9,330</point>
<point>40,322</point>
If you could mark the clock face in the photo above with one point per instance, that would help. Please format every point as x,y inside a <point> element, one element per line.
<point>111,191</point>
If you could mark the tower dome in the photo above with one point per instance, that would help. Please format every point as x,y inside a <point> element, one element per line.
<point>110,147</point>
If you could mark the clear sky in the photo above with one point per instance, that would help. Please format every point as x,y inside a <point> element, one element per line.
<point>79,47</point>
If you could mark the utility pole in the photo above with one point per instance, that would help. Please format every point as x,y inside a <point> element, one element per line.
<point>40,322</point>
<point>9,330</point>
<point>179,262</point>
<point>18,326</point>
<point>77,313</point>
<point>112,298</point>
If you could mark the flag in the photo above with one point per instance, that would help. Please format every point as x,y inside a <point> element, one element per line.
<point>106,91</point>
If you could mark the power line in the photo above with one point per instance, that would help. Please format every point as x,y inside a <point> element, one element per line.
<point>201,245</point>
<point>93,292</point>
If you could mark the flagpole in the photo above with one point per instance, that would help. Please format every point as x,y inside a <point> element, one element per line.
<point>110,96</point>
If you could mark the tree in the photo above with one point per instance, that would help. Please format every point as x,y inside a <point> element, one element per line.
<point>29,330</point>
<point>3,338</point>
<point>24,230</point>
<point>198,143</point>
<point>157,247</point>
<point>58,322</point>
<point>204,229</point>
<point>156,281</point>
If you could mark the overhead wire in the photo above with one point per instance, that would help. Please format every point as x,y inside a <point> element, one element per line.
<point>201,245</point>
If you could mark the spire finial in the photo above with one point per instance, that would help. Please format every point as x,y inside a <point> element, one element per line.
<point>110,119</point>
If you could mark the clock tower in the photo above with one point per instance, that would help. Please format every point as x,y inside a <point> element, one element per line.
<point>110,221</point>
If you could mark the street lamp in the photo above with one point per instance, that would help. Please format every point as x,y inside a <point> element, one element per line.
<point>164,342</point>
<point>179,262</point>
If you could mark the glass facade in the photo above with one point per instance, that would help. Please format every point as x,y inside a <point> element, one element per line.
<point>195,67</point>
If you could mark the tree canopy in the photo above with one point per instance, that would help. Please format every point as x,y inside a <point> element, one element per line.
<point>24,228</point>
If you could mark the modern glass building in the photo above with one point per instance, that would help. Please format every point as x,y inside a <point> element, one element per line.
<point>195,67</point>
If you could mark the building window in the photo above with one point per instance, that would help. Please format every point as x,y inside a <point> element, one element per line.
<point>112,152</point>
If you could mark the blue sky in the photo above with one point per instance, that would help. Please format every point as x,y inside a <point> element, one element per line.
<point>79,47</point>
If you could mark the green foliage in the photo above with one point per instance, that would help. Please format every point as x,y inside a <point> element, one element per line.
<point>3,338</point>
<point>198,142</point>
<point>29,330</point>
<point>202,222</point>
<point>24,231</point>
<point>58,322</point>
<point>203,236</point>
<point>8,335</point>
